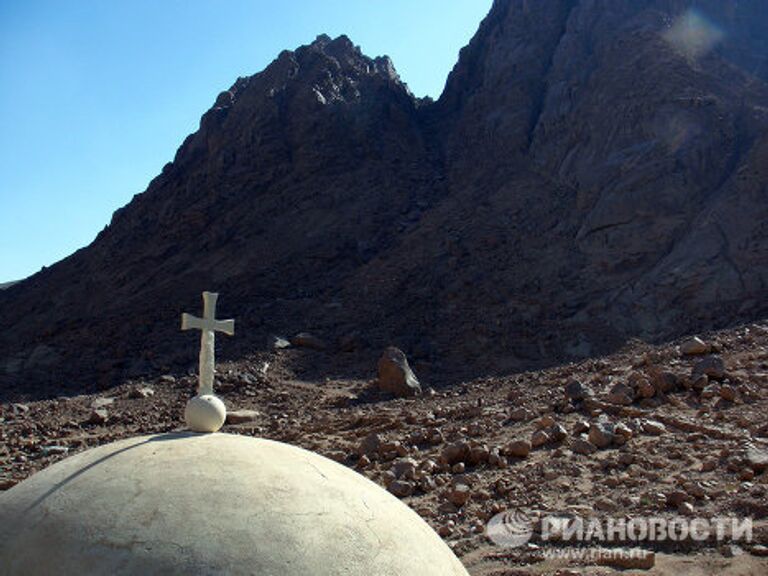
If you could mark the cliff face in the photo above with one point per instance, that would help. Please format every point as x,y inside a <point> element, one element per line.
<point>594,171</point>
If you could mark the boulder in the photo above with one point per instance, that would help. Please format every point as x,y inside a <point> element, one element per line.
<point>395,375</point>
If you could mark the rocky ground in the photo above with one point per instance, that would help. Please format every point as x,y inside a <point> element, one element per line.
<point>679,430</point>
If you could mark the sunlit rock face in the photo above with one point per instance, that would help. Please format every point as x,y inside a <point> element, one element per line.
<point>594,171</point>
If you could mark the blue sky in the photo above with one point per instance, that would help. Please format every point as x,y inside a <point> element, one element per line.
<point>95,96</point>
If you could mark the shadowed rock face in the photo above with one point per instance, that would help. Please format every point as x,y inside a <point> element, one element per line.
<point>593,171</point>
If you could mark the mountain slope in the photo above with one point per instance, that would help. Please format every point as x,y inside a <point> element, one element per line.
<point>590,174</point>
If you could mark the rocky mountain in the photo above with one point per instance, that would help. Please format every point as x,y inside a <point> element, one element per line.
<point>594,171</point>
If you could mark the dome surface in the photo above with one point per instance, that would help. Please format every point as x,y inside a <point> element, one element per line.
<point>207,504</point>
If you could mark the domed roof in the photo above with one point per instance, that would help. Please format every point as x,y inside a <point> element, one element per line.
<point>212,504</point>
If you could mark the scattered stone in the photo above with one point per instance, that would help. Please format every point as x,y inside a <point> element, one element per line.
<point>395,375</point>
<point>605,505</point>
<point>518,448</point>
<point>757,458</point>
<point>695,347</point>
<point>102,402</point>
<point>575,391</point>
<point>520,414</point>
<point>98,416</point>
<point>455,452</point>
<point>405,468</point>
<point>623,431</point>
<point>653,428</point>
<point>141,392</point>
<point>686,509</point>
<point>307,340</point>
<point>600,436</point>
<point>278,343</point>
<point>580,427</point>
<point>645,389</point>
<point>712,366</point>
<point>677,498</point>
<point>540,438</point>
<point>558,433</point>
<point>759,550</point>
<point>478,454</point>
<point>242,416</point>
<point>544,422</point>
<point>369,445</point>
<point>168,379</point>
<point>459,495</point>
<point>582,446</point>
<point>728,393</point>
<point>400,488</point>
<point>621,394</point>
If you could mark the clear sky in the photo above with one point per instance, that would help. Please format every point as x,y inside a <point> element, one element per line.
<point>97,95</point>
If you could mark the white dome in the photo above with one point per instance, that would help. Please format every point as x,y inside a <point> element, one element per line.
<point>212,504</point>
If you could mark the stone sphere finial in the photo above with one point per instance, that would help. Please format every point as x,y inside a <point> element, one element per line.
<point>205,413</point>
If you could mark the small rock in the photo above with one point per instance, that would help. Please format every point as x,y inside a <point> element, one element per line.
<point>544,422</point>
<point>728,393</point>
<point>395,375</point>
<point>278,343</point>
<point>98,416</point>
<point>622,430</point>
<point>520,415</point>
<point>600,436</point>
<point>518,448</point>
<point>540,438</point>
<point>580,427</point>
<point>455,452</point>
<point>459,495</point>
<point>711,366</point>
<point>582,446</point>
<point>653,428</point>
<point>459,468</point>
<point>102,402</point>
<point>558,433</point>
<point>686,509</point>
<point>677,498</point>
<point>168,379</point>
<point>369,445</point>
<point>645,389</point>
<point>605,505</point>
<point>759,550</point>
<point>405,468</point>
<point>242,416</point>
<point>575,391</point>
<point>401,488</point>
<point>757,458</point>
<point>141,392</point>
<point>695,347</point>
<point>307,340</point>
<point>621,394</point>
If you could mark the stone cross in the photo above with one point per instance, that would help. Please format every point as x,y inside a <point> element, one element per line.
<point>209,326</point>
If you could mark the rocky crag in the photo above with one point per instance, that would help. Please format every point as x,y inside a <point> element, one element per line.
<point>593,172</point>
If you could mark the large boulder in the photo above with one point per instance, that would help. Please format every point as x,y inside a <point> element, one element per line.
<point>395,375</point>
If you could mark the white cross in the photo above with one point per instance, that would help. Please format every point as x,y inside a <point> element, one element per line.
<point>209,326</point>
